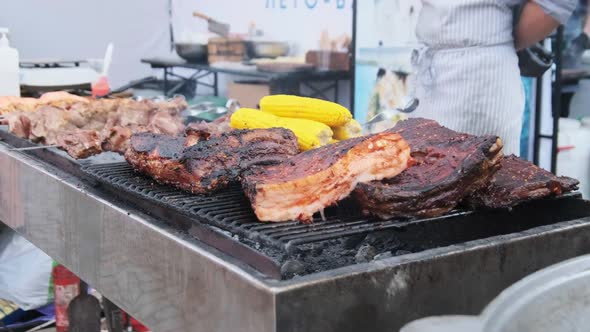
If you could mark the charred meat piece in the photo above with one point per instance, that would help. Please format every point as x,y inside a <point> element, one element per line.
<point>159,157</point>
<point>520,181</point>
<point>222,159</point>
<point>212,164</point>
<point>316,179</point>
<point>80,143</point>
<point>448,167</point>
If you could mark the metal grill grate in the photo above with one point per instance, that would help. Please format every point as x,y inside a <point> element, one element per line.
<point>230,211</point>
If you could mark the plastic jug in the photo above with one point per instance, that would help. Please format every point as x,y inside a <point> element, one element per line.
<point>9,69</point>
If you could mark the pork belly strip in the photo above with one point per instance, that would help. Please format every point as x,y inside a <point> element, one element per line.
<point>316,179</point>
<point>448,167</point>
<point>519,181</point>
<point>212,164</point>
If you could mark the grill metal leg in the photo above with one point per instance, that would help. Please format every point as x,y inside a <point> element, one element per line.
<point>165,81</point>
<point>215,85</point>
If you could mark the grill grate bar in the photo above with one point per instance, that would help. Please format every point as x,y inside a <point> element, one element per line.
<point>333,225</point>
<point>230,210</point>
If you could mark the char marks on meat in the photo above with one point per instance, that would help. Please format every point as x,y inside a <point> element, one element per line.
<point>203,166</point>
<point>316,179</point>
<point>158,156</point>
<point>519,181</point>
<point>448,166</point>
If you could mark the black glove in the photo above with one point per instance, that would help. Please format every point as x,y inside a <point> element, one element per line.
<point>534,61</point>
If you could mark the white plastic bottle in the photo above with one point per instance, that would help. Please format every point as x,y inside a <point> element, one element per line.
<point>9,69</point>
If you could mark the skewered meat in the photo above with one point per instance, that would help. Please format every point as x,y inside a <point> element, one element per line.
<point>210,164</point>
<point>61,116</point>
<point>116,139</point>
<point>165,123</point>
<point>19,124</point>
<point>49,122</point>
<point>61,99</point>
<point>316,179</point>
<point>10,104</point>
<point>519,181</point>
<point>80,143</point>
<point>448,167</point>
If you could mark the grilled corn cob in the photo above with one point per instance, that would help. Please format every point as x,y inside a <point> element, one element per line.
<point>310,134</point>
<point>349,130</point>
<point>326,112</point>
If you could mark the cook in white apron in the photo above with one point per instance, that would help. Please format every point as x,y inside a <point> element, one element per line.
<point>467,74</point>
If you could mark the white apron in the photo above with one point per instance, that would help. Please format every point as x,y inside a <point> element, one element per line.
<point>467,75</point>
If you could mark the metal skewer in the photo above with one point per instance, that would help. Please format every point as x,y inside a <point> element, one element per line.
<point>35,148</point>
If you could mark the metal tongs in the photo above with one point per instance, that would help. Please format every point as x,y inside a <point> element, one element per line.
<point>409,105</point>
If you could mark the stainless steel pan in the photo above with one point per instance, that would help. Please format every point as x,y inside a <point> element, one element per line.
<point>192,52</point>
<point>266,49</point>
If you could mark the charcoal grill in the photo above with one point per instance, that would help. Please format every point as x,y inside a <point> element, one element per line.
<point>181,262</point>
<point>229,213</point>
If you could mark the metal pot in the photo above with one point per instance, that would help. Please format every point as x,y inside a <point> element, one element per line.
<point>266,49</point>
<point>553,299</point>
<point>192,52</point>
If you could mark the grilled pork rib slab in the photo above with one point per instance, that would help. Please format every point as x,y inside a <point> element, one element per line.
<point>519,181</point>
<point>203,166</point>
<point>316,179</point>
<point>448,166</point>
<point>158,156</point>
<point>221,159</point>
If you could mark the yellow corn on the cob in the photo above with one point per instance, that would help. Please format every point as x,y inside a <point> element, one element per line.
<point>349,130</point>
<point>326,112</point>
<point>310,134</point>
<point>247,118</point>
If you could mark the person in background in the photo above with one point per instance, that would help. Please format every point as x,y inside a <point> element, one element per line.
<point>388,92</point>
<point>577,35</point>
<point>466,73</point>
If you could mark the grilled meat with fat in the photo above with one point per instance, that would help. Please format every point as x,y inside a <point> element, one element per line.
<point>520,181</point>
<point>208,165</point>
<point>56,121</point>
<point>80,143</point>
<point>316,179</point>
<point>448,167</point>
